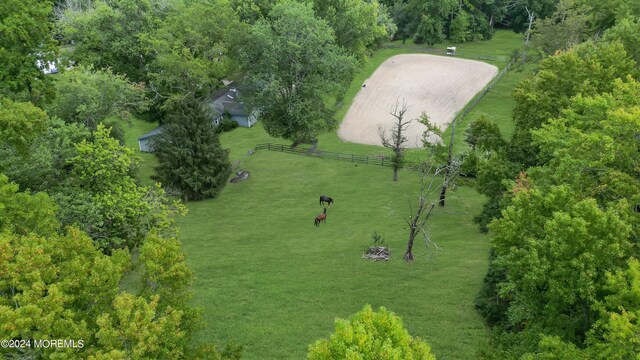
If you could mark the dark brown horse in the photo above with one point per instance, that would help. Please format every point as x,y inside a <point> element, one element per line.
<point>325,199</point>
<point>322,217</point>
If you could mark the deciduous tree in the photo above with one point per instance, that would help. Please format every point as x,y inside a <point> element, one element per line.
<point>370,335</point>
<point>358,25</point>
<point>87,96</point>
<point>20,124</point>
<point>26,37</point>
<point>292,63</point>
<point>103,198</point>
<point>194,49</point>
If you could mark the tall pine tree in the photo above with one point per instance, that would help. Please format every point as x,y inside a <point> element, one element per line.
<point>191,159</point>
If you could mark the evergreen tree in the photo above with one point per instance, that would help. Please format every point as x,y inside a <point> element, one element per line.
<point>191,158</point>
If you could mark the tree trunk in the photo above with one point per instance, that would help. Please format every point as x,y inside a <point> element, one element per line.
<point>395,173</point>
<point>408,255</point>
<point>443,191</point>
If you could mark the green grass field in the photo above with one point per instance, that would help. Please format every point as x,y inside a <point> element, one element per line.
<point>270,280</point>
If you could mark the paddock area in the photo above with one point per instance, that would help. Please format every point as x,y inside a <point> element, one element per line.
<point>437,85</point>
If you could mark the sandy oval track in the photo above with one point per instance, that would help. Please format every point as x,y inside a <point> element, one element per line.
<point>437,85</point>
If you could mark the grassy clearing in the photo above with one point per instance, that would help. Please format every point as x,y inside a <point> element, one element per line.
<point>496,51</point>
<point>268,278</point>
<point>497,105</point>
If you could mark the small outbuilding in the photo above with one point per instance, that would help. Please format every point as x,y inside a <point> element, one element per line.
<point>224,103</point>
<point>144,142</point>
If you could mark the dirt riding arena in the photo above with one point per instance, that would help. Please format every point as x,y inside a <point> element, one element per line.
<point>437,85</point>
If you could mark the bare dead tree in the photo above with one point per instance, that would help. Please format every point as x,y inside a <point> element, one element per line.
<point>420,214</point>
<point>396,140</point>
<point>451,166</point>
<point>531,16</point>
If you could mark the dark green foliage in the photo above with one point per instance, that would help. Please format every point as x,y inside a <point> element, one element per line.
<point>483,134</point>
<point>468,167</point>
<point>490,211</point>
<point>44,166</point>
<point>109,34</point>
<point>25,37</point>
<point>191,159</point>
<point>488,302</point>
<point>226,125</point>
<point>292,62</point>
<point>494,174</point>
<point>194,47</point>
<point>117,132</point>
<point>359,25</point>
<point>518,18</point>
<point>565,28</point>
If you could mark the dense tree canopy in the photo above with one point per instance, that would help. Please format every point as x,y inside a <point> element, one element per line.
<point>20,124</point>
<point>292,62</point>
<point>358,25</point>
<point>565,239</point>
<point>193,49</point>
<point>56,284</point>
<point>25,37</point>
<point>109,34</point>
<point>103,198</point>
<point>88,96</point>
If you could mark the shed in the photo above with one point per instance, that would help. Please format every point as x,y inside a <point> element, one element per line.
<point>145,141</point>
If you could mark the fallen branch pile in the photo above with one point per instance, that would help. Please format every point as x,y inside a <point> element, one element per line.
<point>377,253</point>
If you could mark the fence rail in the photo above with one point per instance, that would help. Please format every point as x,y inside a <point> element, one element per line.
<point>478,97</point>
<point>379,160</point>
<point>312,152</point>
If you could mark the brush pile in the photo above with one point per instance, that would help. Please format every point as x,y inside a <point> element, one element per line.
<point>377,253</point>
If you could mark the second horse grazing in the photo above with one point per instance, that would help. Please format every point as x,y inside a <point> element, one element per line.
<point>322,217</point>
<point>325,199</point>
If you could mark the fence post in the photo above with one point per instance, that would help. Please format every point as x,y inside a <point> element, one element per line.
<point>383,161</point>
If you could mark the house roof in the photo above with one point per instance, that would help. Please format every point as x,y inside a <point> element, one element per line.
<point>151,133</point>
<point>227,100</point>
<point>224,100</point>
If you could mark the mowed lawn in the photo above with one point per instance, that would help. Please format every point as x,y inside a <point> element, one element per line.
<point>269,279</point>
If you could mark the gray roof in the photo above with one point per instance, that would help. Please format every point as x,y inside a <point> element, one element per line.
<point>227,100</point>
<point>151,133</point>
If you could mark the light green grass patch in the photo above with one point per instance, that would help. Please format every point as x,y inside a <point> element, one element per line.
<point>268,278</point>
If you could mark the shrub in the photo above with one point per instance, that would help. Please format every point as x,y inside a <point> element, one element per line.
<point>226,125</point>
<point>370,335</point>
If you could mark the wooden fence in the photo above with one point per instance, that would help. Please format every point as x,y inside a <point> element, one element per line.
<point>312,152</point>
<point>476,99</point>
<point>377,159</point>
